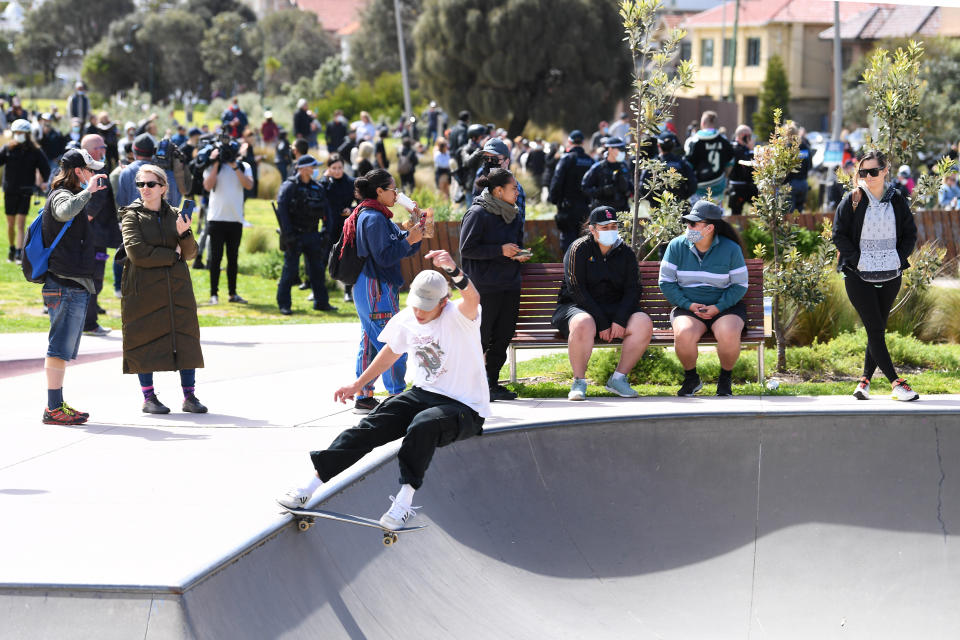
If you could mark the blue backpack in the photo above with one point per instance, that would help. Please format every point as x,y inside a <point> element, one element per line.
<point>35,255</point>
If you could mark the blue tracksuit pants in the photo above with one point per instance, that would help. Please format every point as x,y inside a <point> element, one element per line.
<point>376,303</point>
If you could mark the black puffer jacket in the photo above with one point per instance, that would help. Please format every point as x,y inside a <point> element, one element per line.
<point>482,236</point>
<point>22,161</point>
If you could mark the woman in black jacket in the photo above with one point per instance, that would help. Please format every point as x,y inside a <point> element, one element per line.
<point>23,158</point>
<point>875,234</point>
<point>600,297</point>
<point>491,241</point>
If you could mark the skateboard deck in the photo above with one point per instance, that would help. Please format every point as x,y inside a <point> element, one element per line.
<point>306,517</point>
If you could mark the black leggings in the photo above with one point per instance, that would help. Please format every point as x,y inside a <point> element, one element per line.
<point>873,301</point>
<point>229,234</point>
<point>497,324</point>
<point>425,420</point>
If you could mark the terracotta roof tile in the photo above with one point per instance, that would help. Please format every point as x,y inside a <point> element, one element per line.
<point>334,14</point>
<point>761,12</point>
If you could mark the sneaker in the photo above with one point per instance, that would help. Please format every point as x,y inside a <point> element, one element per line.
<point>724,387</point>
<point>621,387</point>
<point>347,297</point>
<point>98,331</point>
<point>326,307</point>
<point>18,256</point>
<point>578,390</point>
<point>691,384</point>
<point>500,392</point>
<point>82,414</point>
<point>295,498</point>
<point>153,405</point>
<point>117,293</point>
<point>214,300</point>
<point>304,285</point>
<point>365,404</point>
<point>237,299</point>
<point>10,254</point>
<point>192,405</point>
<point>903,392</point>
<point>862,391</point>
<point>284,311</point>
<point>100,310</point>
<point>310,297</point>
<point>397,515</point>
<point>63,415</point>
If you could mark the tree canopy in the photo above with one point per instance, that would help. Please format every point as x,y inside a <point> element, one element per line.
<point>573,69</point>
<point>374,49</point>
<point>775,94</point>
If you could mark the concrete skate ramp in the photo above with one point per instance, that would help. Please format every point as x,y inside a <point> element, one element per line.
<point>737,526</point>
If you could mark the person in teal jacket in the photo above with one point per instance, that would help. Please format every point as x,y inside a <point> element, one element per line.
<point>704,275</point>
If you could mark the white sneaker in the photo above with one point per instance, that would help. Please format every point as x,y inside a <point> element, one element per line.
<point>295,498</point>
<point>862,391</point>
<point>902,391</point>
<point>397,515</point>
<point>214,300</point>
<point>310,297</point>
<point>578,390</point>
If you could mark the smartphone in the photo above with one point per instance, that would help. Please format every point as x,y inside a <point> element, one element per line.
<point>186,212</point>
<point>523,253</point>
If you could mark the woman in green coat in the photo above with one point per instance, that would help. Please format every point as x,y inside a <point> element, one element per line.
<point>161,331</point>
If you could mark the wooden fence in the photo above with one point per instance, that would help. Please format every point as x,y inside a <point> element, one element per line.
<point>942,226</point>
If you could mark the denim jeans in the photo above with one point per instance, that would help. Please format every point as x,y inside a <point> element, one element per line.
<point>66,305</point>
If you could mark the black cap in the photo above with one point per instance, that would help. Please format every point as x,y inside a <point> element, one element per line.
<point>143,145</point>
<point>306,160</point>
<point>703,210</point>
<point>603,215</point>
<point>194,131</point>
<point>614,142</point>
<point>75,158</point>
<point>669,137</point>
<point>576,136</point>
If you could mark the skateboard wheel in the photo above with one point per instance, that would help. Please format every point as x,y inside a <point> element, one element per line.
<point>303,525</point>
<point>389,539</point>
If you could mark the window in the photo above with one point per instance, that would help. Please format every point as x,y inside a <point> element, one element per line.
<point>706,53</point>
<point>686,50</point>
<point>728,52</point>
<point>753,52</point>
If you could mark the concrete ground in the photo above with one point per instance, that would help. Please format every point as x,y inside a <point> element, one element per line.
<point>171,518</point>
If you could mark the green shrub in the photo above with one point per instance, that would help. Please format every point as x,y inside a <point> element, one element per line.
<point>946,316</point>
<point>807,240</point>
<point>259,240</point>
<point>541,251</point>
<point>916,316</point>
<point>266,264</point>
<point>826,321</point>
<point>843,356</point>
<point>660,366</point>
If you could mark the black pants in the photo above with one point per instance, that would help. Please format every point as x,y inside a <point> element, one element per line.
<point>90,323</point>
<point>313,246</point>
<point>497,324</point>
<point>424,420</point>
<point>873,302</point>
<point>229,234</point>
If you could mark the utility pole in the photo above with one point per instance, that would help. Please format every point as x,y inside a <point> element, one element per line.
<point>407,109</point>
<point>837,75</point>
<point>733,53</point>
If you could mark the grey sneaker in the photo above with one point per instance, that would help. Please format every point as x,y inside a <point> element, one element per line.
<point>397,515</point>
<point>98,331</point>
<point>621,387</point>
<point>578,390</point>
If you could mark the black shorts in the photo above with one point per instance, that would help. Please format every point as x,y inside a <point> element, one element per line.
<point>16,202</point>
<point>564,313</point>
<point>738,309</point>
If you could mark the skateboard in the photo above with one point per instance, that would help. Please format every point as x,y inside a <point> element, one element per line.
<point>306,517</point>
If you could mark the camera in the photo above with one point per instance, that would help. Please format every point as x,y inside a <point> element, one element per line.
<point>228,147</point>
<point>165,154</point>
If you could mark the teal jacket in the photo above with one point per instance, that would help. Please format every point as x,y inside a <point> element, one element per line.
<point>718,278</point>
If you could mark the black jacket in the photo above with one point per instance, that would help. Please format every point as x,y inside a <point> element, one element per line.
<point>806,164</point>
<point>301,206</point>
<point>75,255</point>
<point>21,162</point>
<point>686,188</point>
<point>566,190</point>
<point>340,197</point>
<point>605,286</point>
<point>848,224</point>
<point>609,184</point>
<point>482,236</point>
<point>104,223</point>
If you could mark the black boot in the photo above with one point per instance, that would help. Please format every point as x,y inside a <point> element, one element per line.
<point>192,405</point>
<point>153,405</point>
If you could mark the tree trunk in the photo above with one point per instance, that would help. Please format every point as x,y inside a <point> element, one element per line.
<point>777,324</point>
<point>518,122</point>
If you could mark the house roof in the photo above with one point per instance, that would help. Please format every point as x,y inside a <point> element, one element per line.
<point>762,12</point>
<point>334,15</point>
<point>888,22</point>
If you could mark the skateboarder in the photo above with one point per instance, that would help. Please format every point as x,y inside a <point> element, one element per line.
<point>448,401</point>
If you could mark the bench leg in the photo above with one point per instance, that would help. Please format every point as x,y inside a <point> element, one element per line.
<point>760,362</point>
<point>512,353</point>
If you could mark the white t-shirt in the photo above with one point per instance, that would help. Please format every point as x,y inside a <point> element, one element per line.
<point>226,199</point>
<point>445,354</point>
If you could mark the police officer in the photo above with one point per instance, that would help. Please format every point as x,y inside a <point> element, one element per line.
<point>609,183</point>
<point>469,159</point>
<point>668,144</point>
<point>742,187</point>
<point>301,206</point>
<point>566,190</point>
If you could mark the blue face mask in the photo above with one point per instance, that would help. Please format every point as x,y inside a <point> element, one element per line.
<point>608,238</point>
<point>694,235</point>
<point>316,174</point>
<point>83,185</point>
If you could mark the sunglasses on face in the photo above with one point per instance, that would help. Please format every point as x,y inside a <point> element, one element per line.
<point>150,184</point>
<point>873,173</point>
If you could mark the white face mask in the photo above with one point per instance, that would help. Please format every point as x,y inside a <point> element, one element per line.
<point>621,156</point>
<point>608,238</point>
<point>20,138</point>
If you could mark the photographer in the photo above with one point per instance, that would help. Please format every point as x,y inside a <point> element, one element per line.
<point>301,205</point>
<point>144,150</point>
<point>469,159</point>
<point>225,178</point>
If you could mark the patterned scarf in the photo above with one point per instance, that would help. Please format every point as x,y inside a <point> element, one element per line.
<point>350,225</point>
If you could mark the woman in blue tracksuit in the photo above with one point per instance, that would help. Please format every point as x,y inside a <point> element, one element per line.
<point>377,291</point>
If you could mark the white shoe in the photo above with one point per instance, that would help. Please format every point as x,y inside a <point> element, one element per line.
<point>863,390</point>
<point>310,297</point>
<point>902,391</point>
<point>214,300</point>
<point>578,390</point>
<point>117,293</point>
<point>397,515</point>
<point>295,498</point>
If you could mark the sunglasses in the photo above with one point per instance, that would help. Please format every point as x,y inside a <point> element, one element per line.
<point>873,173</point>
<point>150,184</point>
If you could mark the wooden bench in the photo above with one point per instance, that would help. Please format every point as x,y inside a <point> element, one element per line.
<point>538,299</point>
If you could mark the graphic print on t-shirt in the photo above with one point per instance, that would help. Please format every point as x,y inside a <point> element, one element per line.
<point>429,357</point>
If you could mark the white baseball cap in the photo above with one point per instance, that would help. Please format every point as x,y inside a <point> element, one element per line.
<point>427,290</point>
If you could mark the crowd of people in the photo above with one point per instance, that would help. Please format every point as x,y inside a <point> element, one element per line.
<point>133,191</point>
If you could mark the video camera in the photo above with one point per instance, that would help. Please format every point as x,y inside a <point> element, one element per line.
<point>229,149</point>
<point>166,153</point>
